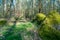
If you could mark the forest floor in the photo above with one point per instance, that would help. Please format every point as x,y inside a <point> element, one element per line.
<point>27,31</point>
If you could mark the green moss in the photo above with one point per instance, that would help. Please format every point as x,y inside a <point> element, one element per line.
<point>55,17</point>
<point>40,16</point>
<point>46,30</point>
<point>49,33</point>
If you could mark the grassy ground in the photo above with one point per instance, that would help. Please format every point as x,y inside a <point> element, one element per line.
<point>21,31</point>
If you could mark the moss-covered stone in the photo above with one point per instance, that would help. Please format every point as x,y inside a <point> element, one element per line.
<point>46,30</point>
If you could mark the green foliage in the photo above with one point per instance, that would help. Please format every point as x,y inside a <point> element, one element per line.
<point>40,16</point>
<point>3,22</point>
<point>47,32</point>
<point>46,29</point>
<point>16,32</point>
<point>54,17</point>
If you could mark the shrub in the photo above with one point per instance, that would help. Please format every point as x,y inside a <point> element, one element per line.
<point>3,22</point>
